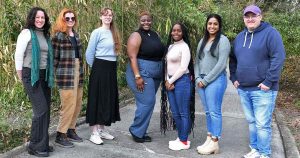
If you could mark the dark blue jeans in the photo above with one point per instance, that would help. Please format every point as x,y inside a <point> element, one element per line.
<point>179,99</point>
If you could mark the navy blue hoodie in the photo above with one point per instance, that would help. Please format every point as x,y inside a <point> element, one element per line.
<point>257,57</point>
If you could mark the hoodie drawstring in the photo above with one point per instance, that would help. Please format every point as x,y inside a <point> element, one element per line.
<point>251,40</point>
<point>245,39</point>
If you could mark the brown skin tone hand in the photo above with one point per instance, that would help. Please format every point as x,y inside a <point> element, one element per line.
<point>169,86</point>
<point>133,45</point>
<point>200,85</point>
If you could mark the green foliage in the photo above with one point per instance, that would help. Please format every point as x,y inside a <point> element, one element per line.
<point>14,104</point>
<point>288,26</point>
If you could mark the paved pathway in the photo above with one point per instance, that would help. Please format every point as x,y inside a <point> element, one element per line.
<point>234,142</point>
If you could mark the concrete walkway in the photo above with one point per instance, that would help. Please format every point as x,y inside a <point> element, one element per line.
<point>234,142</point>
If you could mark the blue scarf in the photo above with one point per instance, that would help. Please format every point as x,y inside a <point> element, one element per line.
<point>35,63</point>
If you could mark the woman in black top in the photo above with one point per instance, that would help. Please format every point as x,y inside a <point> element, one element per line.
<point>143,74</point>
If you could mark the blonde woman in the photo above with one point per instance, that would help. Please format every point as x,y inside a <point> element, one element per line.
<point>101,55</point>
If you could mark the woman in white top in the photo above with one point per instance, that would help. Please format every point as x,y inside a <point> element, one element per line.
<point>34,65</point>
<point>178,84</point>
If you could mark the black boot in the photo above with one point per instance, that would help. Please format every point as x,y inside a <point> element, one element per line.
<point>37,153</point>
<point>72,135</point>
<point>50,149</point>
<point>63,141</point>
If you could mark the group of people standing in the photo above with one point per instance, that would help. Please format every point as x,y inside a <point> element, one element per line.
<point>255,64</point>
<point>41,60</point>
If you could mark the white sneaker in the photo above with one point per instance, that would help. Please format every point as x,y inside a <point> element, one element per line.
<point>252,154</point>
<point>177,140</point>
<point>96,139</point>
<point>105,135</point>
<point>178,145</point>
<point>172,141</point>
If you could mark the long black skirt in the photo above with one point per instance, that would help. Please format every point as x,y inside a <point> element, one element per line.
<point>103,102</point>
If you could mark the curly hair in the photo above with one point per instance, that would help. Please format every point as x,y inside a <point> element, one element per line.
<point>60,24</point>
<point>31,20</point>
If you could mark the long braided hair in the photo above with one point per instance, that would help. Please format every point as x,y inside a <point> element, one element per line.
<point>166,120</point>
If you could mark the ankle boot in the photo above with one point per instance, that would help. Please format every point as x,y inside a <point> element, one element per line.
<point>208,139</point>
<point>63,141</point>
<point>72,135</point>
<point>211,148</point>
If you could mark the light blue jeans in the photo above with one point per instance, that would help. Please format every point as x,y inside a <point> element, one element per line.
<point>151,72</point>
<point>179,99</point>
<point>212,97</point>
<point>258,107</point>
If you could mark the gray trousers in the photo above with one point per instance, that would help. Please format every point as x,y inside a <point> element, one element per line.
<point>40,97</point>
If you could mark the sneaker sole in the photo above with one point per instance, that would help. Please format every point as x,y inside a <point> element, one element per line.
<point>63,146</point>
<point>74,140</point>
<point>106,138</point>
<point>177,149</point>
<point>96,143</point>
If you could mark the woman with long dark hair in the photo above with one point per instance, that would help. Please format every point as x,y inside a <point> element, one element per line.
<point>178,83</point>
<point>211,82</point>
<point>34,65</point>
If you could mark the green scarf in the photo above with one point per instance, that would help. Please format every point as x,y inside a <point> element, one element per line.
<point>35,63</point>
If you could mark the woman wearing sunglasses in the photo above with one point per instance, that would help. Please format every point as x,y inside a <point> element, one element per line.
<point>69,76</point>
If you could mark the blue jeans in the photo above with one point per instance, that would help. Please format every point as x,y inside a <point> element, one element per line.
<point>179,99</point>
<point>211,97</point>
<point>151,72</point>
<point>258,107</point>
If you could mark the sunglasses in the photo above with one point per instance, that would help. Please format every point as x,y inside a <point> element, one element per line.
<point>70,18</point>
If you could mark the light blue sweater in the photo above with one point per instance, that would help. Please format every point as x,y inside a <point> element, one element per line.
<point>101,46</point>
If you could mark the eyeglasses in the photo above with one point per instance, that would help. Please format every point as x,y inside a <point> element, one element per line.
<point>70,18</point>
<point>248,17</point>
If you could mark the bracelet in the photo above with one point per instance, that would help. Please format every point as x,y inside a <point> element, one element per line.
<point>138,76</point>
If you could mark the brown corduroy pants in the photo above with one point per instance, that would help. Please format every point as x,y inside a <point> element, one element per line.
<point>71,102</point>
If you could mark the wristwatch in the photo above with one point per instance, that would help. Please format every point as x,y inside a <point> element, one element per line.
<point>138,76</point>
